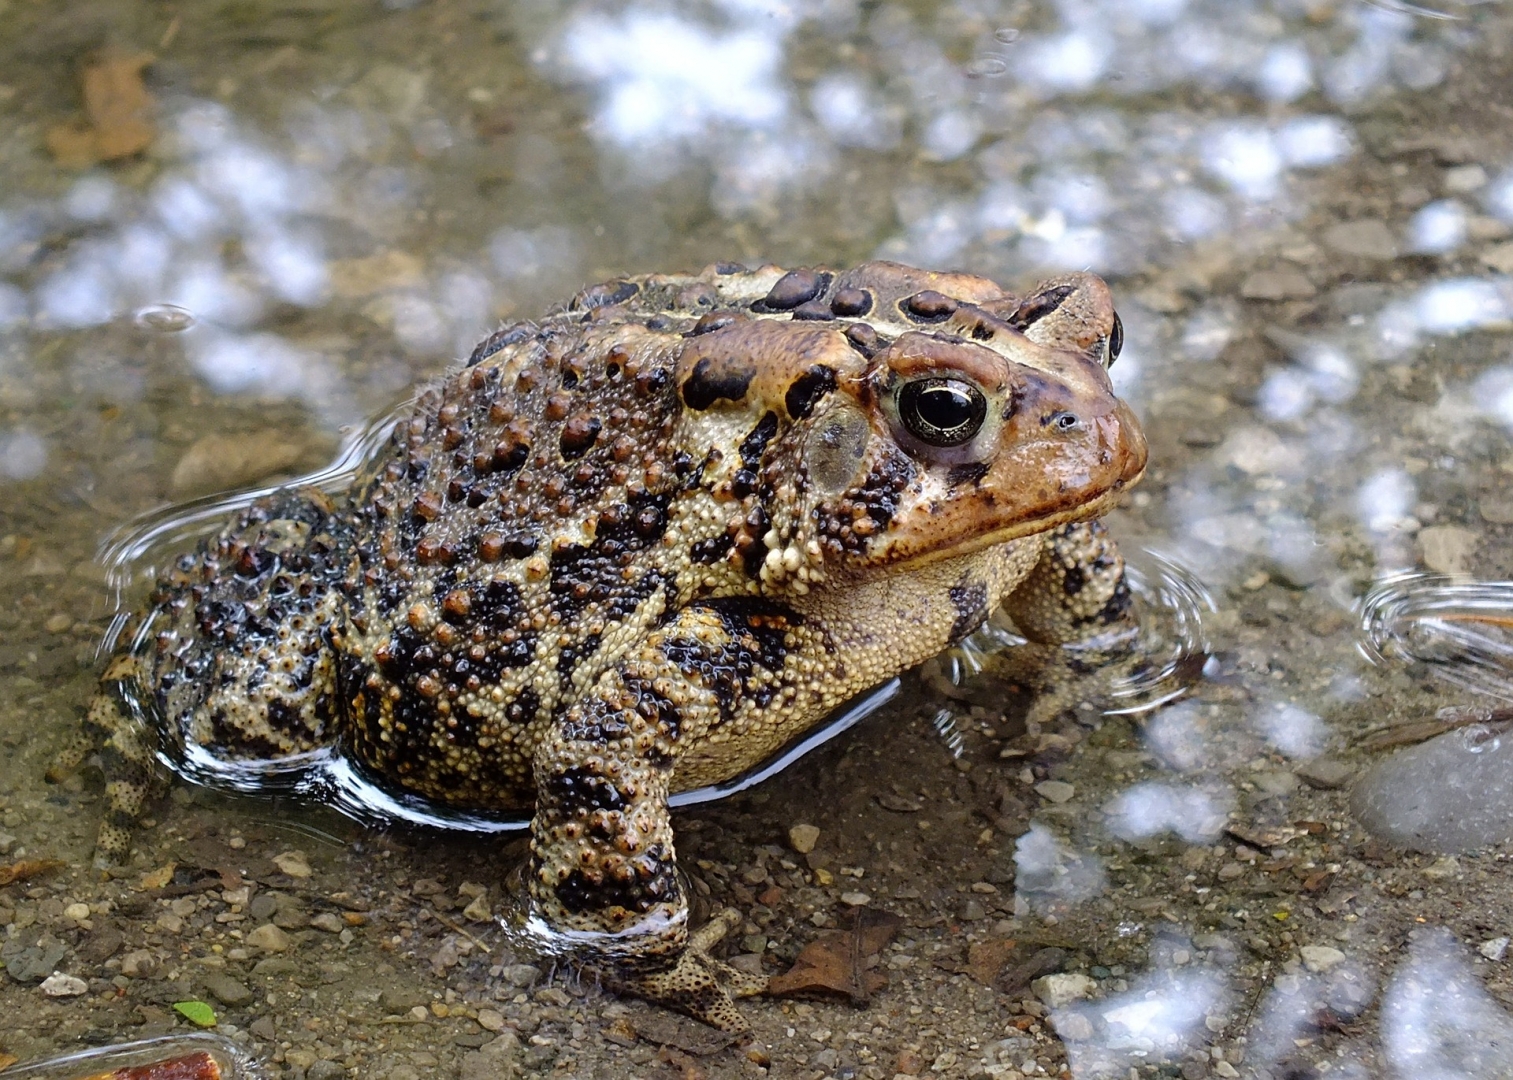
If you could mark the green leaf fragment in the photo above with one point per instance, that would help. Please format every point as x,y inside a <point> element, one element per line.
<point>196,1012</point>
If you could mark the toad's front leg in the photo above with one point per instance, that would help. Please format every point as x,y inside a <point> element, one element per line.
<point>603,870</point>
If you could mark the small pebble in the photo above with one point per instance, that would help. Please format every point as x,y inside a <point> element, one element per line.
<point>328,921</point>
<point>269,938</point>
<point>60,985</point>
<point>293,863</point>
<point>58,624</point>
<point>856,899</point>
<point>1063,988</point>
<point>1321,958</point>
<point>490,1020</point>
<point>1056,791</point>
<point>1325,773</point>
<point>803,838</point>
<point>76,912</point>
<point>1494,949</point>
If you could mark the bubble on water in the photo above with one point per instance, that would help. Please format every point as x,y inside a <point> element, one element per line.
<point>1479,739</point>
<point>1151,808</point>
<point>23,454</point>
<point>1438,228</point>
<point>1293,731</point>
<point>168,318</point>
<point>1286,72</point>
<point>987,67</point>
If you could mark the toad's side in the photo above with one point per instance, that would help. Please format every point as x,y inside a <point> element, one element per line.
<point>637,548</point>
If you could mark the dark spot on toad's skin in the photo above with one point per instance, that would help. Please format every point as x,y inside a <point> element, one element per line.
<point>969,600</point>
<point>712,381</point>
<point>968,472</point>
<point>792,289</point>
<point>756,441</point>
<point>604,295</point>
<point>1039,306</point>
<point>851,302</point>
<point>807,389</point>
<point>500,339</point>
<point>929,306</point>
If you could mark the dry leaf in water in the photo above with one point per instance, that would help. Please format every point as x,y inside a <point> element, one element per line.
<point>118,113</point>
<point>22,869</point>
<point>837,962</point>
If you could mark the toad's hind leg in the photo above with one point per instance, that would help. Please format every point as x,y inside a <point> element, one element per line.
<point>603,875</point>
<point>1077,610</point>
<point>133,777</point>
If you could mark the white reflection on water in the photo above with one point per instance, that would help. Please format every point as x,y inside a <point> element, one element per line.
<point>1438,1021</point>
<point>1148,809</point>
<point>1438,228</point>
<point>1161,1016</point>
<point>1050,875</point>
<point>667,78</point>
<point>23,454</point>
<point>1290,729</point>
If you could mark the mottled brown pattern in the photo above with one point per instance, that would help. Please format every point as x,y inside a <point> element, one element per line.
<point>636,548</point>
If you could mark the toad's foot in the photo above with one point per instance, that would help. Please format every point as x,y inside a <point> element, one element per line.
<point>698,984</point>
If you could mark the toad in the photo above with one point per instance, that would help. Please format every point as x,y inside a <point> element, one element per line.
<point>635,548</point>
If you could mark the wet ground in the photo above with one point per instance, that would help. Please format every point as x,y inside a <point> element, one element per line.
<point>230,233</point>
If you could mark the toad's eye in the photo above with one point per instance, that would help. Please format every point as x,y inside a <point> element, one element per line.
<point>1115,340</point>
<point>942,412</point>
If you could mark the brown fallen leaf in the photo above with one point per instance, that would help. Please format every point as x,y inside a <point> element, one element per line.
<point>837,962</point>
<point>7,1060</point>
<point>22,869</point>
<point>117,113</point>
<point>1447,719</point>
<point>985,959</point>
<point>1263,837</point>
<point>157,879</point>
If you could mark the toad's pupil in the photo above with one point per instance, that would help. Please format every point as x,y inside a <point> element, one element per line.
<point>942,412</point>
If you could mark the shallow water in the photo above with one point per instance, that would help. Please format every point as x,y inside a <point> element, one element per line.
<point>1305,208</point>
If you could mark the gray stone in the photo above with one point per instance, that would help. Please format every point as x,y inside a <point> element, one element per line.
<point>497,1060</point>
<point>1277,285</point>
<point>401,999</point>
<point>1449,795</point>
<point>1368,239</point>
<point>325,1070</point>
<point>37,962</point>
<point>225,989</point>
<point>520,976</point>
<point>1325,773</point>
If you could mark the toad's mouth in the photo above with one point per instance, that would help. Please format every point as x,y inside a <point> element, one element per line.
<point>1093,507</point>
